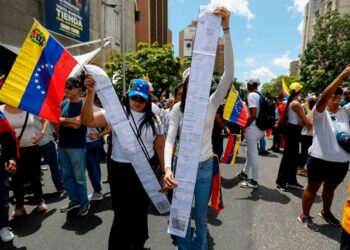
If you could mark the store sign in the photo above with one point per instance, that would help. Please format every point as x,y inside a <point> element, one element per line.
<point>68,17</point>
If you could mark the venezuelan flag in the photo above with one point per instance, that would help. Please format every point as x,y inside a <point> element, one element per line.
<point>307,108</point>
<point>231,149</point>
<point>285,89</point>
<point>37,78</point>
<point>234,110</point>
<point>216,192</point>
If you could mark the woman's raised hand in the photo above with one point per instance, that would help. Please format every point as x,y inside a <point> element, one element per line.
<point>90,84</point>
<point>225,13</point>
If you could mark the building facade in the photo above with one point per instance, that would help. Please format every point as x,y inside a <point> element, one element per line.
<point>315,8</point>
<point>16,20</point>
<point>152,22</point>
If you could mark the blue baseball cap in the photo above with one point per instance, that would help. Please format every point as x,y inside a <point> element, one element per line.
<point>139,87</point>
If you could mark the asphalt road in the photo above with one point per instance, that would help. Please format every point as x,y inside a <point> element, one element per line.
<point>261,219</point>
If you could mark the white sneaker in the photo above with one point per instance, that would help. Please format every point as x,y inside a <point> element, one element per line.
<point>6,234</point>
<point>95,196</point>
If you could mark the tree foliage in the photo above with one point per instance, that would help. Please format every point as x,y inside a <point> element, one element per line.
<point>274,86</point>
<point>163,69</point>
<point>328,53</point>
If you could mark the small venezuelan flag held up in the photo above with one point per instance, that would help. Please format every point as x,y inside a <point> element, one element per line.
<point>234,110</point>
<point>285,90</point>
<point>216,192</point>
<point>37,79</point>
<point>231,149</point>
<point>307,108</point>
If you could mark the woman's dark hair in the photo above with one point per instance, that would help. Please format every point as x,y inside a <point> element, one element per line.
<point>184,93</point>
<point>149,118</point>
<point>177,88</point>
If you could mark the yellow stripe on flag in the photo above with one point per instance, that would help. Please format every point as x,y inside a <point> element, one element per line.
<point>16,82</point>
<point>230,103</point>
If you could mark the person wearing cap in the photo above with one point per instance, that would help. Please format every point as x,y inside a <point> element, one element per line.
<point>293,120</point>
<point>346,98</point>
<point>72,149</point>
<point>205,165</point>
<point>328,162</point>
<point>130,201</point>
<point>252,135</point>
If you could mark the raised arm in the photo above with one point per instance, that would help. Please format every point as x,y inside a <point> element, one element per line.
<point>90,118</point>
<point>225,82</point>
<point>330,89</point>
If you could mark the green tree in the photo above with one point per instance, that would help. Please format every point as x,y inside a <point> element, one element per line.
<point>163,69</point>
<point>274,86</point>
<point>328,53</point>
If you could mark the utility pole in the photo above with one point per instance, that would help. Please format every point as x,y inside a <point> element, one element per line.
<point>122,44</point>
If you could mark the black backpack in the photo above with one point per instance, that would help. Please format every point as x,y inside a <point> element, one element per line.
<point>266,118</point>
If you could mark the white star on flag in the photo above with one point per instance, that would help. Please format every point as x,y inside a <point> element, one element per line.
<point>36,74</point>
<point>38,87</point>
<point>46,65</point>
<point>43,92</point>
<point>42,66</point>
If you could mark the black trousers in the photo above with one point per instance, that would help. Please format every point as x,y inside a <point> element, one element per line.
<point>306,142</point>
<point>130,205</point>
<point>28,170</point>
<point>289,163</point>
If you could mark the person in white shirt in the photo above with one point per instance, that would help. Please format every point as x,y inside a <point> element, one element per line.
<point>205,166</point>
<point>130,200</point>
<point>252,135</point>
<point>328,162</point>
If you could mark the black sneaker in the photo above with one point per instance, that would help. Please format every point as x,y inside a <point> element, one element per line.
<point>243,176</point>
<point>329,217</point>
<point>295,185</point>
<point>249,184</point>
<point>283,188</point>
<point>83,210</point>
<point>307,221</point>
<point>69,207</point>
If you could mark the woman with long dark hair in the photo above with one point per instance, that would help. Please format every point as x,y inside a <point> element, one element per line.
<point>130,201</point>
<point>294,120</point>
<point>205,166</point>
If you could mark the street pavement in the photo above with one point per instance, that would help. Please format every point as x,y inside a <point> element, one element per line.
<point>252,219</point>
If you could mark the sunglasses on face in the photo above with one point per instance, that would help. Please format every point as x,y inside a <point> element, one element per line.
<point>69,88</point>
<point>138,99</point>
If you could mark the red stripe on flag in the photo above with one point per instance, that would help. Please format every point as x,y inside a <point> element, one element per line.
<point>228,149</point>
<point>51,108</point>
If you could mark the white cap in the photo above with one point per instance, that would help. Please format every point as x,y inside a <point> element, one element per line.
<point>253,80</point>
<point>185,74</point>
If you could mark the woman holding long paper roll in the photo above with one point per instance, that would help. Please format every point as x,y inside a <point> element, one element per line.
<point>130,201</point>
<point>204,175</point>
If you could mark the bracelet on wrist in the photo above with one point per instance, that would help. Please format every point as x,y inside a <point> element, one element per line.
<point>226,28</point>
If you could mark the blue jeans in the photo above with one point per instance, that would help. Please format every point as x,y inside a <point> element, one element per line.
<point>93,159</point>
<point>4,198</point>
<point>202,193</point>
<point>49,152</point>
<point>72,162</point>
<point>262,145</point>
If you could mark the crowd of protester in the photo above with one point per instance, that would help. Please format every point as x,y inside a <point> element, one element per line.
<point>307,127</point>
